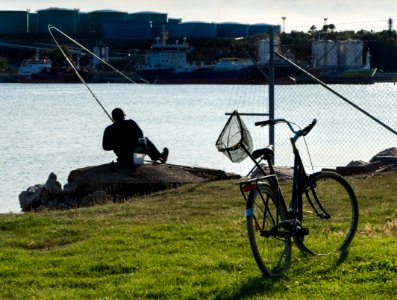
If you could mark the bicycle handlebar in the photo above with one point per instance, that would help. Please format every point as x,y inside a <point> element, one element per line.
<point>270,122</point>
<point>298,133</point>
<point>309,127</point>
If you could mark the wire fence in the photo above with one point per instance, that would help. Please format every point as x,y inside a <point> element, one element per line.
<point>334,82</point>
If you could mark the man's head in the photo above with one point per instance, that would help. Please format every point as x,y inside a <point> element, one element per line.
<point>118,115</point>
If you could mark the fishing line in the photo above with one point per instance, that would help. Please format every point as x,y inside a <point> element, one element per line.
<point>51,27</point>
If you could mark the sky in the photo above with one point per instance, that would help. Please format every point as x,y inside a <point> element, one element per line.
<point>299,15</point>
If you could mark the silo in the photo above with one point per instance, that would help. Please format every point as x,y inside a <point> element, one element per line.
<point>172,29</point>
<point>330,54</point>
<point>127,30</point>
<point>148,16</point>
<point>33,23</point>
<point>174,21</point>
<point>62,18</point>
<point>324,54</point>
<point>198,30</point>
<point>264,50</point>
<point>83,23</point>
<point>13,21</point>
<point>101,51</point>
<point>232,30</point>
<point>99,17</point>
<point>350,53</point>
<point>255,29</point>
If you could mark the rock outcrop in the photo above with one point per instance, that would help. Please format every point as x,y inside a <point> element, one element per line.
<point>111,183</point>
<point>384,161</point>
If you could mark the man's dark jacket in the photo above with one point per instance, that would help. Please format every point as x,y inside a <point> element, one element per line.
<point>122,137</point>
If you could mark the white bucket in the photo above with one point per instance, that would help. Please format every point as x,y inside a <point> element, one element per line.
<point>139,158</point>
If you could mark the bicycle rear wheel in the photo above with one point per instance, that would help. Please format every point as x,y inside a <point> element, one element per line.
<point>330,212</point>
<point>272,254</point>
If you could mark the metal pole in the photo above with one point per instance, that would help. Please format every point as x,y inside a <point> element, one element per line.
<point>271,84</point>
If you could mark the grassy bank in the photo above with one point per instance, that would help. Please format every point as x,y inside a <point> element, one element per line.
<point>189,243</point>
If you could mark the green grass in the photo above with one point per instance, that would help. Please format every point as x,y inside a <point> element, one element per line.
<point>189,243</point>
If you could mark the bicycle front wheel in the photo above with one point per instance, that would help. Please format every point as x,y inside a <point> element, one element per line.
<point>330,212</point>
<point>272,253</point>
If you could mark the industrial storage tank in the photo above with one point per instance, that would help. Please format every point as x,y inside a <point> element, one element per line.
<point>33,23</point>
<point>62,18</point>
<point>197,30</point>
<point>99,17</point>
<point>324,54</point>
<point>232,30</point>
<point>172,30</point>
<point>264,49</point>
<point>255,29</point>
<point>127,30</point>
<point>13,21</point>
<point>148,16</point>
<point>174,20</point>
<point>351,53</point>
<point>83,23</point>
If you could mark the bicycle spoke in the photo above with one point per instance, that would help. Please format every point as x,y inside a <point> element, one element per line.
<point>271,253</point>
<point>330,212</point>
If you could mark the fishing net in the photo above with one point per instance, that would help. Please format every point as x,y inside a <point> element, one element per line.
<point>235,140</point>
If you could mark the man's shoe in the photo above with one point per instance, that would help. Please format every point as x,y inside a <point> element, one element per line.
<point>164,155</point>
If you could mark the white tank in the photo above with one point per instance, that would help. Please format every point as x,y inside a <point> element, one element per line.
<point>350,53</point>
<point>264,50</point>
<point>324,54</point>
<point>102,52</point>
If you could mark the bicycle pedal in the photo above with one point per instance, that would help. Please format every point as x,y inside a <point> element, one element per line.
<point>301,231</point>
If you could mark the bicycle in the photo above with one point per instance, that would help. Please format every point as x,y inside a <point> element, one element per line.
<point>322,215</point>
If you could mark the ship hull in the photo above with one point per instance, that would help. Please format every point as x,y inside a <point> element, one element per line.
<point>249,75</point>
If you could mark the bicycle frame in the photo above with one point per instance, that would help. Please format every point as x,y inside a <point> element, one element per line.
<point>300,179</point>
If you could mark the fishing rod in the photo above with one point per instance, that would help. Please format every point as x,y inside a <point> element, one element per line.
<point>50,28</point>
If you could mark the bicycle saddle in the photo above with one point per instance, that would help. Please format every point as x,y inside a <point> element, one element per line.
<point>265,152</point>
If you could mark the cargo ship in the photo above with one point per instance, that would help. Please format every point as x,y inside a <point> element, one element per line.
<point>166,64</point>
<point>42,71</point>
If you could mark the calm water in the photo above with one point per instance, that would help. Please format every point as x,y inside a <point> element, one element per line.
<point>58,128</point>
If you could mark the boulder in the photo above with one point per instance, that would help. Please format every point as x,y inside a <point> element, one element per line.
<point>386,157</point>
<point>112,182</point>
<point>384,161</point>
<point>50,194</point>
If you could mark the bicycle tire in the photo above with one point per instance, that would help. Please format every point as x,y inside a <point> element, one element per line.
<point>335,231</point>
<point>272,254</point>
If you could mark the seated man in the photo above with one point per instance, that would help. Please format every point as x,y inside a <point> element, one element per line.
<point>125,138</point>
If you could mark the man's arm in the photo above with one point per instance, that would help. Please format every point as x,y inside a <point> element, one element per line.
<point>107,141</point>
